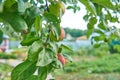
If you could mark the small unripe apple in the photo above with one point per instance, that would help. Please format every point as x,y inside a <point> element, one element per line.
<point>61,59</point>
<point>62,33</point>
<point>62,6</point>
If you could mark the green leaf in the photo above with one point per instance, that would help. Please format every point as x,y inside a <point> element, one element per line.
<point>93,20</point>
<point>105,3</point>
<point>29,39</point>
<point>24,70</point>
<point>99,38</point>
<point>86,17</point>
<point>15,20</point>
<point>46,56</point>
<point>7,29</point>
<point>8,3</point>
<point>1,36</point>
<point>34,50</point>
<point>90,6</point>
<point>70,7</point>
<point>51,18</point>
<point>55,22</point>
<point>44,71</point>
<point>53,46</point>
<point>41,1</point>
<point>98,31</point>
<point>21,6</point>
<point>89,32</point>
<point>102,26</point>
<point>55,33</point>
<point>54,9</point>
<point>1,6</point>
<point>33,77</point>
<point>66,47</point>
<point>90,26</point>
<point>96,45</point>
<point>96,38</point>
<point>38,23</point>
<point>68,57</point>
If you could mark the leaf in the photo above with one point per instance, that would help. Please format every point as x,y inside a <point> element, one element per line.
<point>96,45</point>
<point>86,17</point>
<point>1,6</point>
<point>68,57</point>
<point>105,3</point>
<point>55,22</point>
<point>34,50</point>
<point>89,32</point>
<point>46,56</point>
<point>38,24</point>
<point>55,33</point>
<point>102,26</point>
<point>15,20</point>
<point>29,39</point>
<point>44,71</point>
<point>90,26</point>
<point>9,3</point>
<point>41,1</point>
<point>93,20</point>
<point>98,31</point>
<point>96,38</point>
<point>51,18</point>
<point>21,6</point>
<point>1,36</point>
<point>24,70</point>
<point>70,7</point>
<point>33,77</point>
<point>7,29</point>
<point>55,9</point>
<point>53,46</point>
<point>66,47</point>
<point>90,6</point>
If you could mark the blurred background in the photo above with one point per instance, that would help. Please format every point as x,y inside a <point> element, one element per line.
<point>89,62</point>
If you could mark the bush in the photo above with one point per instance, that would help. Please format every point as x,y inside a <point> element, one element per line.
<point>90,51</point>
<point>7,56</point>
<point>107,64</point>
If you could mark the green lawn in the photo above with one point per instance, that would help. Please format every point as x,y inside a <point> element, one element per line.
<point>105,68</point>
<point>5,71</point>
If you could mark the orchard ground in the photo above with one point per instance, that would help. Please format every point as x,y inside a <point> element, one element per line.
<point>88,64</point>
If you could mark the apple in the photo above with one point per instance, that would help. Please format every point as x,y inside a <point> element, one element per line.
<point>62,6</point>
<point>61,59</point>
<point>62,33</point>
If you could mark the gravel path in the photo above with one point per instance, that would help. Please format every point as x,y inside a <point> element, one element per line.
<point>10,62</point>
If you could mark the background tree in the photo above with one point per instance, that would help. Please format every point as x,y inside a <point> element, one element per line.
<point>37,24</point>
<point>75,32</point>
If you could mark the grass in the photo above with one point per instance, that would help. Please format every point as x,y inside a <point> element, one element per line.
<point>88,64</point>
<point>5,71</point>
<point>105,68</point>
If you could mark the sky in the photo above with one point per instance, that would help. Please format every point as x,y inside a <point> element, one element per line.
<point>74,20</point>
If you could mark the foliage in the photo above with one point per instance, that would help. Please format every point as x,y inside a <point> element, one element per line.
<point>75,32</point>
<point>100,65</point>
<point>37,24</point>
<point>4,71</point>
<point>89,51</point>
<point>7,56</point>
